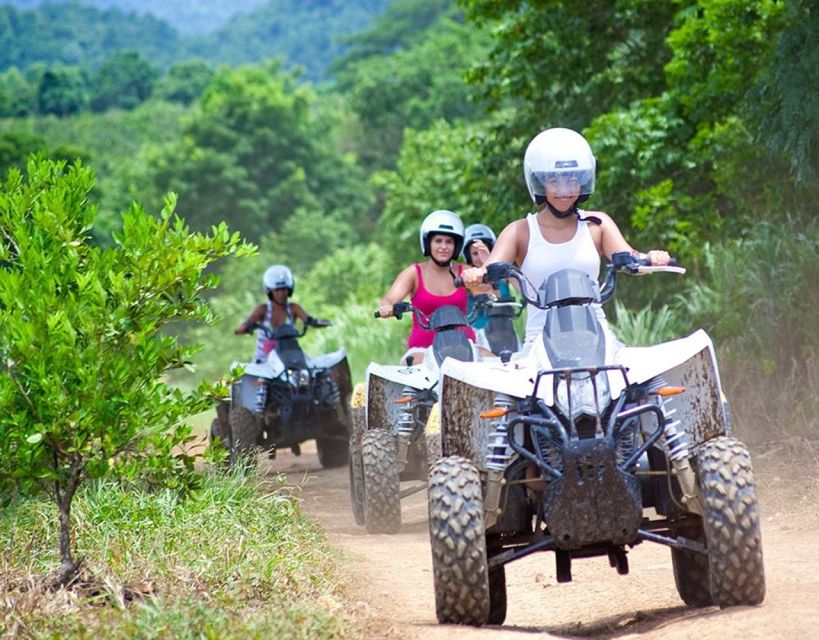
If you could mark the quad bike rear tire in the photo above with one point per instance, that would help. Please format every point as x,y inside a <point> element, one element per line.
<point>245,431</point>
<point>382,487</point>
<point>463,594</point>
<point>730,526</point>
<point>216,432</point>
<point>356,481</point>
<point>332,451</point>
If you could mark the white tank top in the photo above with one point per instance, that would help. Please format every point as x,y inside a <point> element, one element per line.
<point>262,346</point>
<point>543,258</point>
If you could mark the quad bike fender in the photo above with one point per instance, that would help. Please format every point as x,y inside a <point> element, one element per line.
<point>245,393</point>
<point>327,360</point>
<point>416,377</point>
<point>272,368</point>
<point>385,384</point>
<point>514,378</point>
<point>689,363</point>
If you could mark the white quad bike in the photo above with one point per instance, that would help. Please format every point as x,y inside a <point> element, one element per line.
<point>289,398</point>
<point>578,450</point>
<point>390,442</point>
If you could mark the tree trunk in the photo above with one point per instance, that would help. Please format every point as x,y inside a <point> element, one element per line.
<point>64,497</point>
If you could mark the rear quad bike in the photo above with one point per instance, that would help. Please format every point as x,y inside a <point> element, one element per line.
<point>499,334</point>
<point>585,448</point>
<point>391,442</point>
<point>288,399</point>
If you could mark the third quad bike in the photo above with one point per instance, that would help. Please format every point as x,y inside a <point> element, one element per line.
<point>289,398</point>
<point>586,448</point>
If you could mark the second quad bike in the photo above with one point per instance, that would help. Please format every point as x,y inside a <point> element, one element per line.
<point>390,442</point>
<point>583,447</point>
<point>288,399</point>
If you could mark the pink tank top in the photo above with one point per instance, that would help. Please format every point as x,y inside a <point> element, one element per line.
<point>429,302</point>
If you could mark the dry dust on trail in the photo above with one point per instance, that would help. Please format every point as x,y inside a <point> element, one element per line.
<point>389,577</point>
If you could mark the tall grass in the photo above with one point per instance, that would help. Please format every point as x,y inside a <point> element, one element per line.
<point>229,562</point>
<point>646,326</point>
<point>760,302</point>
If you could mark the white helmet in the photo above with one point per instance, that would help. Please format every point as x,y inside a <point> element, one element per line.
<point>445,223</point>
<point>278,277</point>
<point>477,232</point>
<point>556,153</point>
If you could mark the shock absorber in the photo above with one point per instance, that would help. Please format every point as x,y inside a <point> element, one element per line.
<point>405,424</point>
<point>678,450</point>
<point>498,455</point>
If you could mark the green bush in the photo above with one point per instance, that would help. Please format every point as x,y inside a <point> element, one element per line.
<point>82,339</point>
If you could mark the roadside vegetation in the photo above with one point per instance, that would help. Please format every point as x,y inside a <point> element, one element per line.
<point>231,560</point>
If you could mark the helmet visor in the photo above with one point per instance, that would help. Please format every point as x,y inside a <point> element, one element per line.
<point>562,183</point>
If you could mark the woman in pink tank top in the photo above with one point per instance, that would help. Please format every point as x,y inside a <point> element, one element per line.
<point>430,284</point>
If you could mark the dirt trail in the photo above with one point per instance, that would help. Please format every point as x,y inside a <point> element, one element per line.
<point>390,576</point>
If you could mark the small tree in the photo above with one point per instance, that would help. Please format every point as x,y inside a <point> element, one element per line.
<point>84,355</point>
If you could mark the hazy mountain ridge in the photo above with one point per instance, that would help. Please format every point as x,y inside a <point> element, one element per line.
<point>188,17</point>
<point>305,33</point>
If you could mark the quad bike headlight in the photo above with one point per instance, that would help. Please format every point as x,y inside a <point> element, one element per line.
<point>304,378</point>
<point>578,393</point>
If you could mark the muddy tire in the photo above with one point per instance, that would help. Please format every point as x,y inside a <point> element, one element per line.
<point>245,430</point>
<point>356,481</point>
<point>456,533</point>
<point>216,431</point>
<point>332,451</point>
<point>382,488</point>
<point>731,523</point>
<point>691,572</point>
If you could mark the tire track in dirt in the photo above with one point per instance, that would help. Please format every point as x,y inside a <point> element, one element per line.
<point>389,577</point>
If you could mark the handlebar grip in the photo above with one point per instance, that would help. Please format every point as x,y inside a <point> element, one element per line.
<point>376,314</point>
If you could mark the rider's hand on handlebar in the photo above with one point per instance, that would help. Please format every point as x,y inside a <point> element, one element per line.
<point>385,311</point>
<point>473,279</point>
<point>658,258</point>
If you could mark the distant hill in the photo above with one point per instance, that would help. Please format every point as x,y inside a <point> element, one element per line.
<point>306,33</point>
<point>79,34</point>
<point>186,16</point>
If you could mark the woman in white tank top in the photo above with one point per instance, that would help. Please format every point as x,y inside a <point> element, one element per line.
<point>559,168</point>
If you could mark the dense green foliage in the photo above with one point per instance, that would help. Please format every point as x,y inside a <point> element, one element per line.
<point>255,153</point>
<point>82,342</point>
<point>235,560</point>
<point>406,72</point>
<point>73,33</point>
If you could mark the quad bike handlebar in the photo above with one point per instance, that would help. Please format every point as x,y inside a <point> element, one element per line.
<point>621,262</point>
<point>425,320</point>
<point>400,308</point>
<point>318,323</point>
